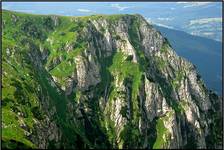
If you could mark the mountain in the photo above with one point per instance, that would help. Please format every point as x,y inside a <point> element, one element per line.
<point>101,81</point>
<point>205,54</point>
<point>196,18</point>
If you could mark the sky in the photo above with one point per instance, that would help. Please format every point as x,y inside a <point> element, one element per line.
<point>85,8</point>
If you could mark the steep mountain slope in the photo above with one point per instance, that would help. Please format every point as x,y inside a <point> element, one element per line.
<point>100,82</point>
<point>205,54</point>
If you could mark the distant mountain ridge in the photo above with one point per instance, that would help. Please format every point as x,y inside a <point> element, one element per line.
<point>205,53</point>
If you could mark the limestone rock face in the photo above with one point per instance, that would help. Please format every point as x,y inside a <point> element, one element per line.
<point>87,72</point>
<point>102,82</point>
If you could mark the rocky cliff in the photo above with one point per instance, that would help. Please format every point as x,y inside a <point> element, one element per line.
<point>100,82</point>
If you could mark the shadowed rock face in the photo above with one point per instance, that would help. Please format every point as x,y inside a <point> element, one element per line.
<point>101,82</point>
